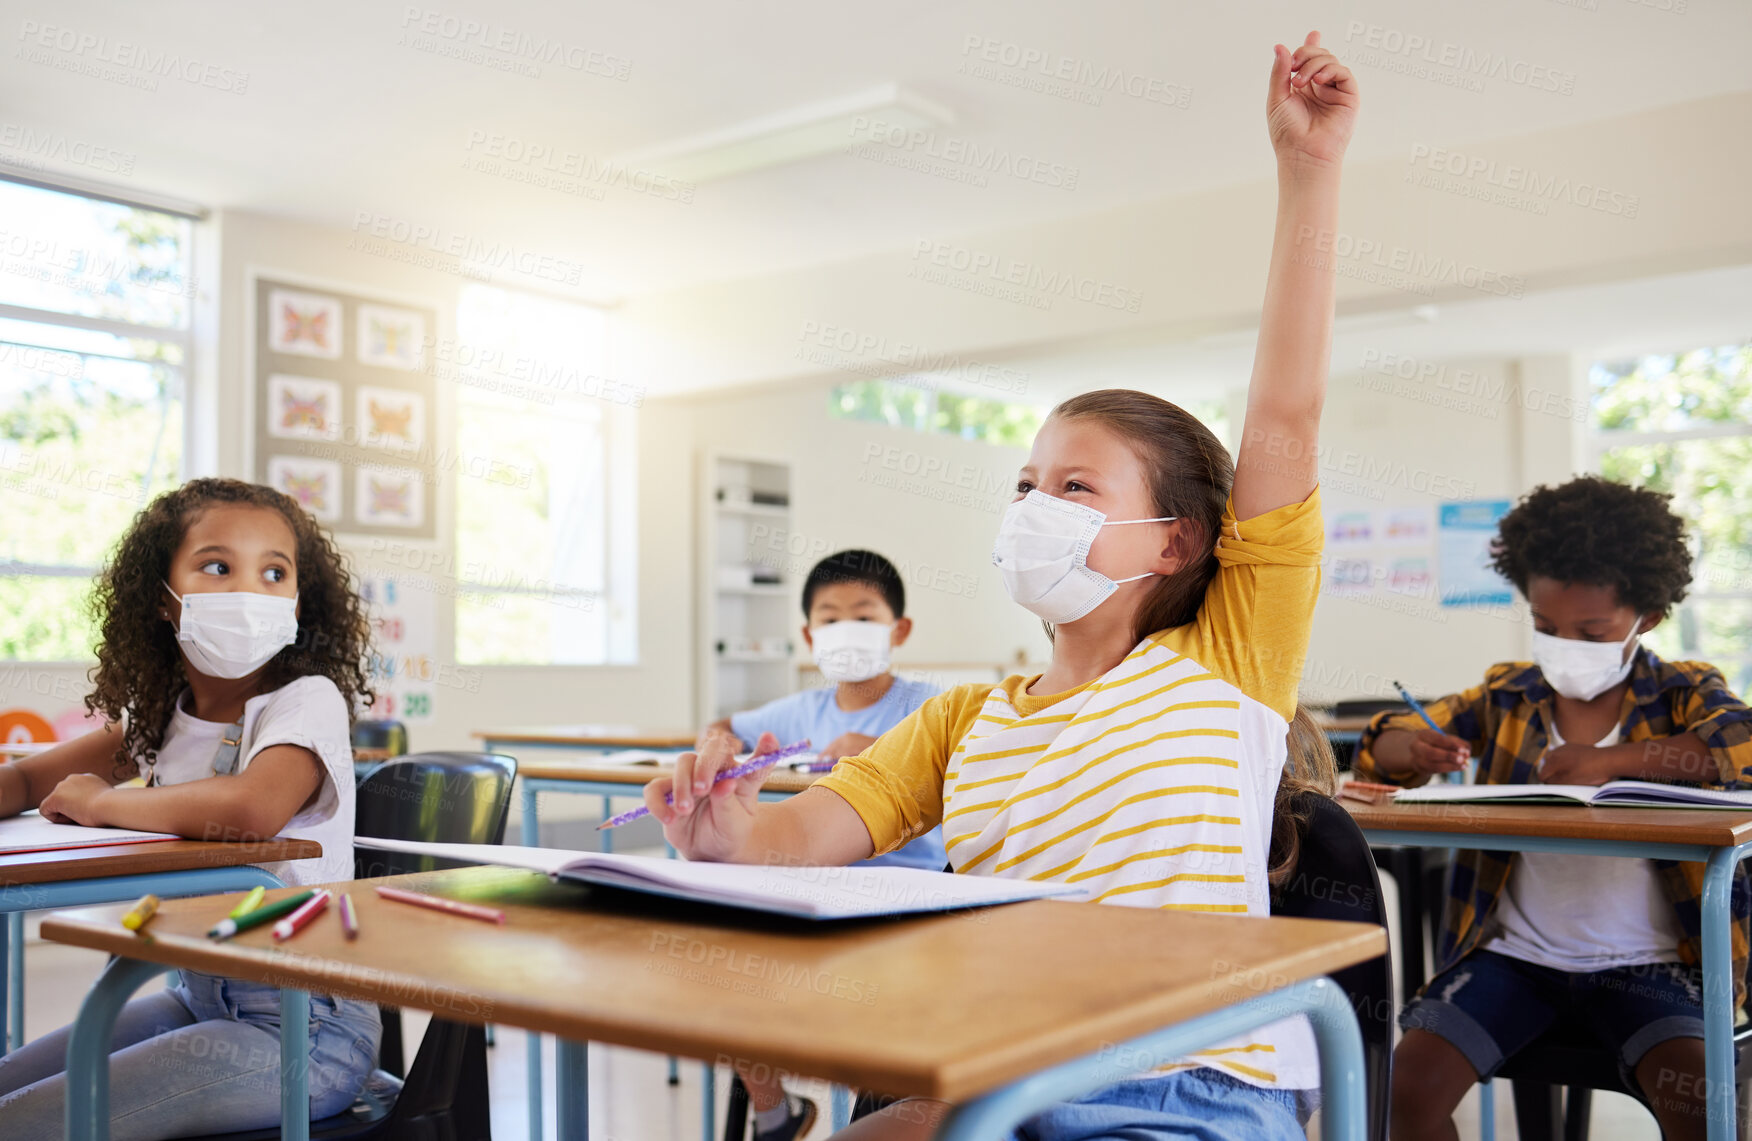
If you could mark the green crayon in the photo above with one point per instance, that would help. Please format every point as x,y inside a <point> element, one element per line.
<point>229,927</point>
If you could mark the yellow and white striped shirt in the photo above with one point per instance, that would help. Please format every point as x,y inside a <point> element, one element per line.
<point>1151,786</point>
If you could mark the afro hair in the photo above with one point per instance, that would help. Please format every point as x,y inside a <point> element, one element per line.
<point>1593,531</point>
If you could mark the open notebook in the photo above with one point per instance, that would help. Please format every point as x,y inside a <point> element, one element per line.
<point>808,892</point>
<point>29,832</point>
<point>1618,793</point>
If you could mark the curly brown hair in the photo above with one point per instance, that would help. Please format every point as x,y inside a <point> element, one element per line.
<point>139,669</point>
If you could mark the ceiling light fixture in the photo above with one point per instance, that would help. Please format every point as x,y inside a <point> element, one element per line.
<point>809,131</point>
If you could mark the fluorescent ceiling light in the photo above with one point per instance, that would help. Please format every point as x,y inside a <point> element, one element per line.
<point>815,129</point>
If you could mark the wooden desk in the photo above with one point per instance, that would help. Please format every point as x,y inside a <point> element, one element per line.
<point>959,1007</point>
<point>1716,838</point>
<point>590,737</point>
<point>36,881</point>
<point>581,776</point>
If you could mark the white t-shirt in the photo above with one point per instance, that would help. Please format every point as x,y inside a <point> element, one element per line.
<point>1584,913</point>
<point>309,712</point>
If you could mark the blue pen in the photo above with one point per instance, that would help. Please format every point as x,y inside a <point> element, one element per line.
<point>1417,708</point>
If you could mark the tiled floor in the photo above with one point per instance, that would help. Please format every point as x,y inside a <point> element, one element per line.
<point>630,1099</point>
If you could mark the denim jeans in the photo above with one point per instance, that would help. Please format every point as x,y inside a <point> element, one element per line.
<point>1189,1105</point>
<point>200,1057</point>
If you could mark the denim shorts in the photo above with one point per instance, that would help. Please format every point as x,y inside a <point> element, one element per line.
<point>1188,1105</point>
<point>1491,1006</point>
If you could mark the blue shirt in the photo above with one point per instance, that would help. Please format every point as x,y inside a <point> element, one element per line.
<point>815,714</point>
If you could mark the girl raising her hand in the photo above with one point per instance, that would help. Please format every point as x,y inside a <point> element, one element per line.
<point>1145,763</point>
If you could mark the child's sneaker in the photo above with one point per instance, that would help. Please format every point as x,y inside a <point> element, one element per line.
<point>800,1120</point>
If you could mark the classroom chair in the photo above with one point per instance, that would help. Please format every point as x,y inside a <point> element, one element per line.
<point>1335,878</point>
<point>1418,873</point>
<point>457,798</point>
<point>388,735</point>
<point>1567,1058</point>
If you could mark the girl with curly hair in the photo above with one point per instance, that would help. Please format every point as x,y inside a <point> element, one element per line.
<point>232,653</point>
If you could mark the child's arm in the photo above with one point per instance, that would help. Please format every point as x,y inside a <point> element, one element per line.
<point>1713,745</point>
<point>1400,749</point>
<point>718,728</point>
<point>1310,115</point>
<point>725,821</point>
<point>254,804</point>
<point>25,782</point>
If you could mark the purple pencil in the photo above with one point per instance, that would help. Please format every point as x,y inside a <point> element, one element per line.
<point>752,765</point>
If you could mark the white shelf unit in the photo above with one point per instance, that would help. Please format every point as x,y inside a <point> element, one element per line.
<point>747,633</point>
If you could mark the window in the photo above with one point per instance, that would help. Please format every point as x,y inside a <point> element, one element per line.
<point>545,543</point>
<point>918,403</point>
<point>94,318</point>
<point>1682,423</point>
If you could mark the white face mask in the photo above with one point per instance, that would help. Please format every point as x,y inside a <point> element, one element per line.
<point>1582,670</point>
<point>1042,550</point>
<point>232,633</point>
<point>850,650</point>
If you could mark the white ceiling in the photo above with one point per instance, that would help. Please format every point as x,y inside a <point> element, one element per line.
<point>1599,322</point>
<point>340,118</point>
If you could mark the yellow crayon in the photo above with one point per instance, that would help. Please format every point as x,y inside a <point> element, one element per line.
<point>141,913</point>
<point>250,902</point>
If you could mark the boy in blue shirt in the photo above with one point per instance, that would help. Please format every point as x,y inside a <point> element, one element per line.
<point>855,604</point>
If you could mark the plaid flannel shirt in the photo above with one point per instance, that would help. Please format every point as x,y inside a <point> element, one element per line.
<point>1505,722</point>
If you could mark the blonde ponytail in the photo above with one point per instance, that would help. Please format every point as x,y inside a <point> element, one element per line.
<point>1310,767</point>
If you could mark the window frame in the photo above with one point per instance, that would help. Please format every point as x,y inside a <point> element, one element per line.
<point>1599,441</point>
<point>183,338</point>
<point>620,535</point>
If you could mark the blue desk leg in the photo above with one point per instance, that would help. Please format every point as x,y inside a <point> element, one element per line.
<point>605,838</point>
<point>12,994</point>
<point>842,1108</point>
<point>531,836</point>
<point>1343,1111</point>
<point>1718,990</point>
<point>572,1090</point>
<point>88,1047</point>
<point>294,1065</point>
<point>708,1100</point>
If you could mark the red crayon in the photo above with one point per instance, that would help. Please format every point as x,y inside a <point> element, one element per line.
<point>299,919</point>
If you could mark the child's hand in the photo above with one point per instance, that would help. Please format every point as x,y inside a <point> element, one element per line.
<point>848,745</point>
<point>74,800</point>
<point>1576,764</point>
<point>1435,753</point>
<point>1310,113</point>
<point>710,819</point>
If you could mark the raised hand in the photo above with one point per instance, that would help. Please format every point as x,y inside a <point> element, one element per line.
<point>1311,106</point>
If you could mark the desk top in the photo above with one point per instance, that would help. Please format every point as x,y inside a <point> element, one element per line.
<point>947,1006</point>
<point>779,780</point>
<point>1331,724</point>
<point>60,865</point>
<point>590,736</point>
<point>1716,828</point>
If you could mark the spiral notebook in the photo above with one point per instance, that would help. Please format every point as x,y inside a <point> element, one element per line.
<point>807,892</point>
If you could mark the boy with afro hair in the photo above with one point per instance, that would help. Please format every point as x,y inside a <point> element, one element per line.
<point>1534,939</point>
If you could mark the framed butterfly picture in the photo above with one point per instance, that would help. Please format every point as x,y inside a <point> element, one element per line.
<point>390,418</point>
<point>303,408</point>
<point>304,324</point>
<point>315,484</point>
<point>389,497</point>
<point>391,338</point>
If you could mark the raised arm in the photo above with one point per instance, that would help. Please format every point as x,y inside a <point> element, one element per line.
<point>1310,109</point>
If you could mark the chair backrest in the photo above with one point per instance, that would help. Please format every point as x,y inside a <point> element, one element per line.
<point>446,798</point>
<point>391,736</point>
<point>1335,878</point>
<point>1368,707</point>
